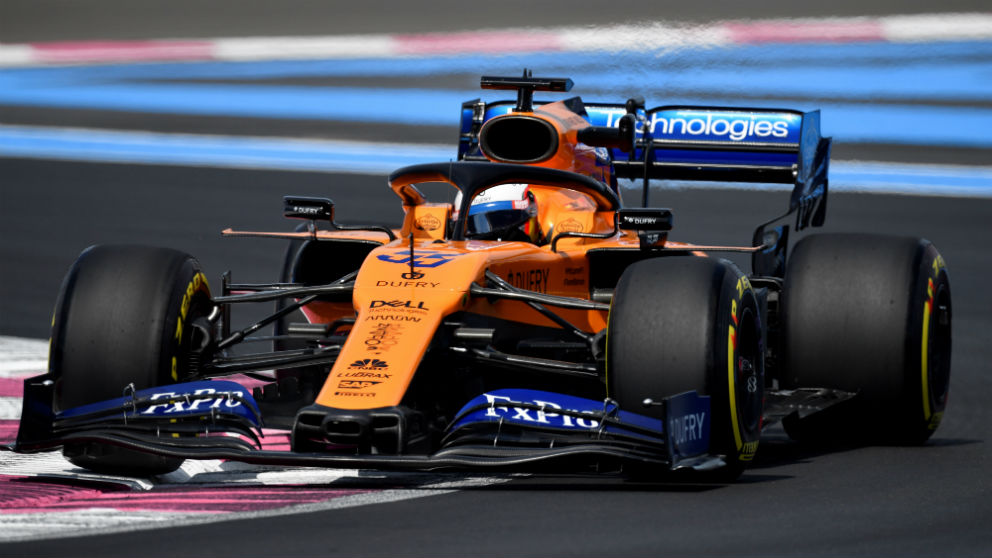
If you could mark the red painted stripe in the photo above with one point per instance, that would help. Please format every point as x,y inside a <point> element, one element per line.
<point>476,42</point>
<point>276,440</point>
<point>805,32</point>
<point>29,493</point>
<point>8,431</point>
<point>122,51</point>
<point>11,387</point>
<point>26,495</point>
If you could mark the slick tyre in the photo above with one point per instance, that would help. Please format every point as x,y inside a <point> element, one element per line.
<point>685,323</point>
<point>125,315</point>
<point>868,314</point>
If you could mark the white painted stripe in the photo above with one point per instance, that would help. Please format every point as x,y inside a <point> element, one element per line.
<point>16,55</point>
<point>647,37</point>
<point>210,471</point>
<point>21,357</point>
<point>52,465</point>
<point>13,346</point>
<point>608,38</point>
<point>26,367</point>
<point>10,408</point>
<point>280,48</point>
<point>31,526</point>
<point>937,27</point>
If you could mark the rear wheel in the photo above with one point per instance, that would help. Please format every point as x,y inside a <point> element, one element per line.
<point>125,315</point>
<point>869,314</point>
<point>686,323</point>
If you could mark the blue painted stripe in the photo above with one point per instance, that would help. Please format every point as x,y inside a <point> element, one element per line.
<point>851,122</point>
<point>383,158</point>
<point>214,151</point>
<point>855,74</point>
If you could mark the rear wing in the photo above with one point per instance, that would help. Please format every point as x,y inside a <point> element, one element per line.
<point>704,143</point>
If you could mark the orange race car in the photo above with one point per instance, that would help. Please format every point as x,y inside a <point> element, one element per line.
<point>533,321</point>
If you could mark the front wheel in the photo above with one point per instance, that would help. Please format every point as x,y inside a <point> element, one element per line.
<point>684,323</point>
<point>869,314</point>
<point>125,315</point>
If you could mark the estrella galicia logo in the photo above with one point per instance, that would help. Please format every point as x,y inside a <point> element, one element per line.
<point>422,258</point>
<point>428,223</point>
<point>369,364</point>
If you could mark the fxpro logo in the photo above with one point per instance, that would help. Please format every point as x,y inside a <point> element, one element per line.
<point>199,401</point>
<point>545,415</point>
<point>719,126</point>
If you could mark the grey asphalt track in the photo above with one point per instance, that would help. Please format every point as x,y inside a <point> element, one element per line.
<point>857,501</point>
<point>871,501</point>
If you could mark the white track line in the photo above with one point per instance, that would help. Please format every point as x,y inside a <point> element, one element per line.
<point>651,36</point>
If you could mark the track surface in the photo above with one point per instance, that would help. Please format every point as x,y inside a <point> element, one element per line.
<point>928,500</point>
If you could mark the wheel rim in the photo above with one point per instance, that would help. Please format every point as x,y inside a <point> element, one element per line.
<point>939,349</point>
<point>748,382</point>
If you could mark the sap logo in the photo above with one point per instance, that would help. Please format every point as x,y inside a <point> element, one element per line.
<point>735,127</point>
<point>356,384</point>
<point>398,304</point>
<point>368,364</point>
<point>200,400</point>
<point>687,428</point>
<point>422,258</point>
<point>538,416</point>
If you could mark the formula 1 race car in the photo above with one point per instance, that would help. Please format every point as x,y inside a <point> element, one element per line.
<point>535,322</point>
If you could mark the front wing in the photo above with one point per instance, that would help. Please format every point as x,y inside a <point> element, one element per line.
<point>502,430</point>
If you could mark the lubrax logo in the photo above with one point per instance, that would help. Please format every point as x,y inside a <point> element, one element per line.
<point>398,304</point>
<point>366,375</point>
<point>369,364</point>
<point>718,126</point>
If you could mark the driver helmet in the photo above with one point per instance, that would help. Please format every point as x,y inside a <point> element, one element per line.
<point>504,212</point>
